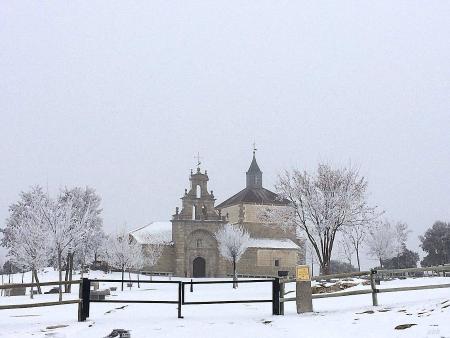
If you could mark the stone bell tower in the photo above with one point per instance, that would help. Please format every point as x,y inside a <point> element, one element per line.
<point>193,228</point>
<point>198,203</point>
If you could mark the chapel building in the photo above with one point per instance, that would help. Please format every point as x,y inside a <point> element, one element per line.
<point>190,248</point>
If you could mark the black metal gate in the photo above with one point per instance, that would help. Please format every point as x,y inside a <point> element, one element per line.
<point>85,290</point>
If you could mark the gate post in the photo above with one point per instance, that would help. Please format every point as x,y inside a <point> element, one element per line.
<point>85,297</point>
<point>282,290</point>
<point>276,296</point>
<point>372,285</point>
<point>180,297</point>
<point>81,317</point>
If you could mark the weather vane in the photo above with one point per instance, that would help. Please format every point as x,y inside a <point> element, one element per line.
<point>254,148</point>
<point>198,159</point>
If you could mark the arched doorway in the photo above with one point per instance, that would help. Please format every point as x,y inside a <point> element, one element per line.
<point>199,267</point>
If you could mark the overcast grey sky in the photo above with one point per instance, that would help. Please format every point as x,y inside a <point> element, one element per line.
<point>120,96</point>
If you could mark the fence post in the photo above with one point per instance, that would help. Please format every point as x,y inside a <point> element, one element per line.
<point>80,304</point>
<point>192,286</point>
<point>180,297</point>
<point>372,285</point>
<point>85,297</point>
<point>282,296</point>
<point>276,296</point>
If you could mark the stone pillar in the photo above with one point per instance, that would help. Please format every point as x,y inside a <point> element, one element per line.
<point>304,297</point>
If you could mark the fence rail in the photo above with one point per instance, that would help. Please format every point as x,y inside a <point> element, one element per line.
<point>23,306</point>
<point>28,285</point>
<point>373,289</point>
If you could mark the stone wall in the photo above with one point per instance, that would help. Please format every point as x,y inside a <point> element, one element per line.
<point>250,264</point>
<point>166,262</point>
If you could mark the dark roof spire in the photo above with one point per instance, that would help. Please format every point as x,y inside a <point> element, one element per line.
<point>254,174</point>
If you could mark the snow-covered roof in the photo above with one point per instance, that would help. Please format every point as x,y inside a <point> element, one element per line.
<point>154,233</point>
<point>284,243</point>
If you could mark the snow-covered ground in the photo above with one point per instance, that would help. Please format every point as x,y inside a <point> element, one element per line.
<point>334,317</point>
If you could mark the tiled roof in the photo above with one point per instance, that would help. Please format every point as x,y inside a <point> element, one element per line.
<point>255,196</point>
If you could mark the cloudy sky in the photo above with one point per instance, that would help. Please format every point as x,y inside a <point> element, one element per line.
<point>120,96</point>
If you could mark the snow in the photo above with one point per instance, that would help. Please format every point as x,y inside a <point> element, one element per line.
<point>272,243</point>
<point>333,317</point>
<point>154,231</point>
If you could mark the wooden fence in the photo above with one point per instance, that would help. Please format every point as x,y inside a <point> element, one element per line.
<point>39,304</point>
<point>373,289</point>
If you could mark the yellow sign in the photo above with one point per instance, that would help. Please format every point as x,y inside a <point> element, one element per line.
<point>302,273</point>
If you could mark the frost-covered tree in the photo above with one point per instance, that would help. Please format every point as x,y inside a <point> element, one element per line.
<point>122,252</point>
<point>323,204</point>
<point>25,234</point>
<point>62,231</point>
<point>92,244</point>
<point>86,222</point>
<point>232,240</point>
<point>381,241</point>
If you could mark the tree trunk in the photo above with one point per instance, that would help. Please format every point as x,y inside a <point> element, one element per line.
<point>123,272</point>
<point>32,281</point>
<point>34,271</point>
<point>129,277</point>
<point>381,263</point>
<point>66,275</point>
<point>325,268</point>
<point>357,259</point>
<point>69,287</point>
<point>23,273</point>
<point>235,285</point>
<point>138,280</point>
<point>60,274</point>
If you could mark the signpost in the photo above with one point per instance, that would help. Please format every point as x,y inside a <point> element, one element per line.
<point>303,289</point>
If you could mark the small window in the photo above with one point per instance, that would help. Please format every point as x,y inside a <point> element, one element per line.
<point>199,243</point>
<point>199,192</point>
<point>277,262</point>
<point>194,210</point>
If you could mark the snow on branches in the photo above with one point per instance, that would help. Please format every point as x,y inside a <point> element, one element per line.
<point>25,234</point>
<point>40,227</point>
<point>321,204</point>
<point>122,252</point>
<point>232,240</point>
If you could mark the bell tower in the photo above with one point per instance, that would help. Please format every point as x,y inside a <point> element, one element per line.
<point>198,203</point>
<point>193,229</point>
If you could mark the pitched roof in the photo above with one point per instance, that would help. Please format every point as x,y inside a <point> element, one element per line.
<point>254,168</point>
<point>154,233</point>
<point>254,196</point>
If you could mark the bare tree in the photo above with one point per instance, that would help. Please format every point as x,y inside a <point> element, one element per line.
<point>401,233</point>
<point>322,204</point>
<point>233,240</point>
<point>381,241</point>
<point>347,249</point>
<point>355,237</point>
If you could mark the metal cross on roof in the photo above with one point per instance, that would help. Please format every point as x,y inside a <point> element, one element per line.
<point>198,159</point>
